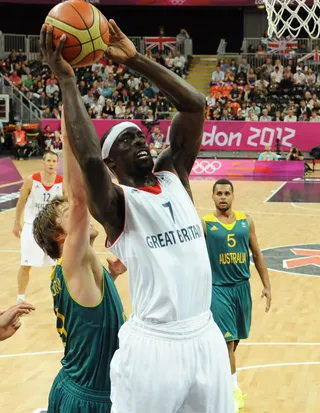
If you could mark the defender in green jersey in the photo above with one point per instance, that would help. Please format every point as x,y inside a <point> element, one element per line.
<point>230,235</point>
<point>86,303</point>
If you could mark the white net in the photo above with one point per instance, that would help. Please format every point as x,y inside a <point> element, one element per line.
<point>289,17</point>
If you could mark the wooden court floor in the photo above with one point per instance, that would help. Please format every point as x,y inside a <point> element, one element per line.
<point>278,367</point>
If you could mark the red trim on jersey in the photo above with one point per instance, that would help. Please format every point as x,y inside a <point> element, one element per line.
<point>37,177</point>
<point>156,190</point>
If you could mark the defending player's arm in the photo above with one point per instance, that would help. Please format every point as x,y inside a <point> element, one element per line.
<point>24,193</point>
<point>187,126</point>
<point>105,200</point>
<point>260,263</point>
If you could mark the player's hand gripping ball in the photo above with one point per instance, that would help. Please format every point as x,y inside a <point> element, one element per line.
<point>86,28</point>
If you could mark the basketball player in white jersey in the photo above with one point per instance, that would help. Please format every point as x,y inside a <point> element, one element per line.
<point>36,191</point>
<point>172,357</point>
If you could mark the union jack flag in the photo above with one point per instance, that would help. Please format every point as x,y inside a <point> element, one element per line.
<point>280,46</point>
<point>161,43</point>
<point>315,54</point>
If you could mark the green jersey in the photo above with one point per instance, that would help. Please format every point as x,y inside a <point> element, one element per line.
<point>228,249</point>
<point>89,334</point>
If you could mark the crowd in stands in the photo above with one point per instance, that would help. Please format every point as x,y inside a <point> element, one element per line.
<point>109,91</point>
<point>268,90</point>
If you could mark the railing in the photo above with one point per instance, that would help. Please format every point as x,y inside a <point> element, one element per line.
<point>257,61</point>
<point>24,110</point>
<point>251,44</point>
<point>30,45</point>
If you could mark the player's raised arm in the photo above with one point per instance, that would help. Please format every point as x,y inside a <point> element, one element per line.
<point>105,200</point>
<point>77,243</point>
<point>187,125</point>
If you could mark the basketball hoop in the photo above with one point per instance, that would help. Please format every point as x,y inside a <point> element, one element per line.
<point>288,17</point>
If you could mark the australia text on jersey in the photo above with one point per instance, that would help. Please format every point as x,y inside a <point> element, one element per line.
<point>174,237</point>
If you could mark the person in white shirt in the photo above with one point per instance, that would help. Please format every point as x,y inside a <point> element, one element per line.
<point>277,74</point>
<point>299,78</point>
<point>264,117</point>
<point>290,117</point>
<point>179,63</point>
<point>133,82</point>
<point>218,75</point>
<point>314,116</point>
<point>171,340</point>
<point>120,110</point>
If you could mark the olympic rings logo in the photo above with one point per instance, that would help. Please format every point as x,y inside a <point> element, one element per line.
<point>177,2</point>
<point>206,167</point>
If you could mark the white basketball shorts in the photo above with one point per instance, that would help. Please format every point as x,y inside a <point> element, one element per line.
<point>177,367</point>
<point>31,254</point>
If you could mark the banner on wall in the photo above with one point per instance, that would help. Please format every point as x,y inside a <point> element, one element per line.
<point>247,168</point>
<point>234,136</point>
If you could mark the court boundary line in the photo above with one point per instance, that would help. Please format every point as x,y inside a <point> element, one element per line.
<point>266,343</point>
<point>11,183</point>
<point>303,207</point>
<point>18,251</point>
<point>263,366</point>
<point>274,192</point>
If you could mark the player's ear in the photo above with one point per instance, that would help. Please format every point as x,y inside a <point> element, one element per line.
<point>110,164</point>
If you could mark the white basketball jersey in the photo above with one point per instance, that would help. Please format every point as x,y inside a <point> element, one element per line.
<point>164,249</point>
<point>40,195</point>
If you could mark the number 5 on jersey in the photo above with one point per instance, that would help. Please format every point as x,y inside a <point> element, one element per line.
<point>231,240</point>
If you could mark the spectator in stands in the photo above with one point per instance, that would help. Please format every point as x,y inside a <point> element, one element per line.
<point>260,51</point>
<point>277,74</point>
<point>179,64</point>
<point>242,111</point>
<point>56,113</point>
<point>42,101</point>
<point>265,117</point>
<point>303,108</point>
<point>314,116</point>
<point>20,143</point>
<point>251,77</point>
<point>157,142</point>
<point>229,76</point>
<point>295,155</point>
<point>278,116</point>
<point>120,110</point>
<point>290,117</point>
<point>261,86</point>
<point>181,38</point>
<point>235,93</point>
<point>169,62</point>
<point>267,155</point>
<point>51,88</point>
<point>217,75</point>
<point>256,110</point>
<point>244,66</point>
<point>15,79</point>
<point>310,76</point>
<point>225,115</point>
<point>56,145</point>
<point>251,116</point>
<point>233,66</point>
<point>299,78</point>
<point>286,85</point>
<point>46,114</point>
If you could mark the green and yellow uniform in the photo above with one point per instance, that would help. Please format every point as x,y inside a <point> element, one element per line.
<point>90,338</point>
<point>229,254</point>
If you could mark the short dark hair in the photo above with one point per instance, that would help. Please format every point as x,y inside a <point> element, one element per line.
<point>222,182</point>
<point>46,227</point>
<point>49,153</point>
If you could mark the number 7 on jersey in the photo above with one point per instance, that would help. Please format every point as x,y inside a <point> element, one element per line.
<point>169,206</point>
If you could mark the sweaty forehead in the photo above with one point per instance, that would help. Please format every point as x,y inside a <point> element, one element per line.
<point>131,130</point>
<point>223,188</point>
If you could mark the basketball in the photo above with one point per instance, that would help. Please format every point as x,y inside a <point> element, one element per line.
<point>86,29</point>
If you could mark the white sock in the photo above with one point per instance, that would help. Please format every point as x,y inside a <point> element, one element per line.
<point>21,297</point>
<point>235,381</point>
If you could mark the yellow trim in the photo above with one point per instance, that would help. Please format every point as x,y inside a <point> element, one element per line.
<point>229,227</point>
<point>81,305</point>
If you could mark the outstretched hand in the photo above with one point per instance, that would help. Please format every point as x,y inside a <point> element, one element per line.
<point>60,67</point>
<point>120,49</point>
<point>116,267</point>
<point>10,319</point>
